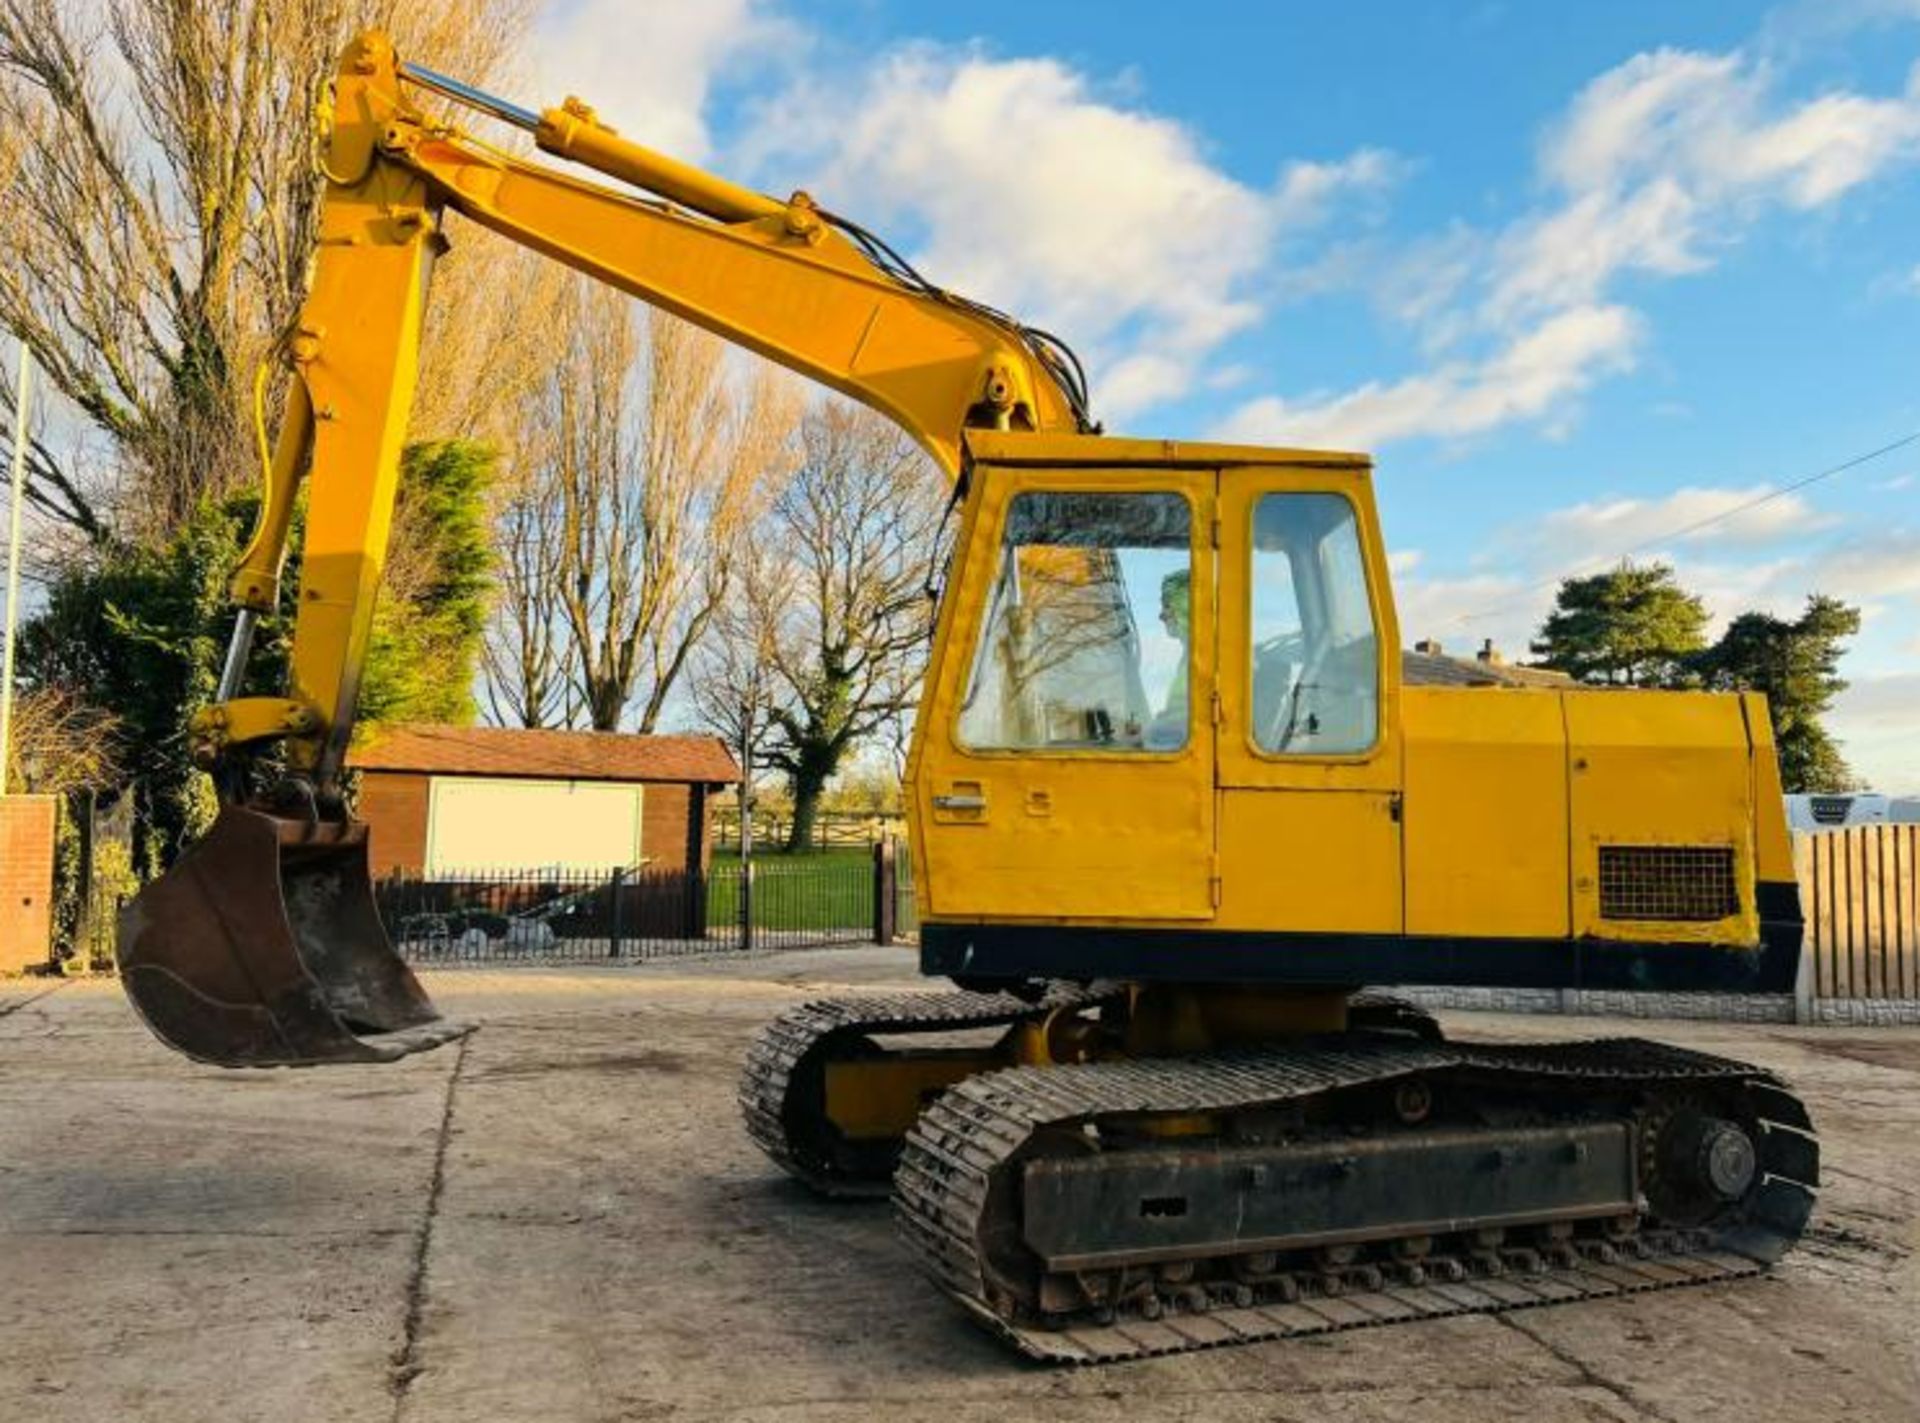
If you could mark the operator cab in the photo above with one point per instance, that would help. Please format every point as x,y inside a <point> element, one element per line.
<point>1141,645</point>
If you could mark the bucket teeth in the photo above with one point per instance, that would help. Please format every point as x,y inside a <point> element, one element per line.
<point>262,947</point>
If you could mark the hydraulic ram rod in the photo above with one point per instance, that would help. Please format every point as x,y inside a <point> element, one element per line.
<point>473,98</point>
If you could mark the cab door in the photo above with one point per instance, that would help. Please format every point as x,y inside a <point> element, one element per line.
<point>1309,734</point>
<point>1065,760</point>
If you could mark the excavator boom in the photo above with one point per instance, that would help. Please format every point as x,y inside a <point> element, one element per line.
<point>262,945</point>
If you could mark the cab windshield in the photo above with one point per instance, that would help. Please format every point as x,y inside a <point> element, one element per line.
<point>1087,638</point>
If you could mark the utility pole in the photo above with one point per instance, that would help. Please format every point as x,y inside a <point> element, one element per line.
<point>18,486</point>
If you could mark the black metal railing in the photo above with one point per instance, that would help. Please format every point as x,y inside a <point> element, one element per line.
<point>553,916</point>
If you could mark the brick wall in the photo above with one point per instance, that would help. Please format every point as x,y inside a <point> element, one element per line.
<point>1720,1007</point>
<point>27,824</point>
<point>394,805</point>
<point>1723,1007</point>
<point>664,808</point>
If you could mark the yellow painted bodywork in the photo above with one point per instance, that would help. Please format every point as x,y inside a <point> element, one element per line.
<point>354,351</point>
<point>1659,768</point>
<point>1478,812</point>
<point>877,1098</point>
<point>1012,827</point>
<point>1772,841</point>
<point>1486,812</point>
<point>1164,1019</point>
<point>243,719</point>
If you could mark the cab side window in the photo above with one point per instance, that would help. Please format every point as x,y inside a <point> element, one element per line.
<point>1315,659</point>
<point>1087,639</point>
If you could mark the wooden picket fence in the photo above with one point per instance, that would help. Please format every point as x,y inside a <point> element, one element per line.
<point>1860,891</point>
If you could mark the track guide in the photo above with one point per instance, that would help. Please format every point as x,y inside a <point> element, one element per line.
<point>946,1203</point>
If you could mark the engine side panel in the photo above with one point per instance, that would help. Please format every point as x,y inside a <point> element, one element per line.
<point>1662,814</point>
<point>1325,861</point>
<point>1486,812</point>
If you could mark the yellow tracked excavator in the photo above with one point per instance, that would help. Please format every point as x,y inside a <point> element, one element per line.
<point>1173,803</point>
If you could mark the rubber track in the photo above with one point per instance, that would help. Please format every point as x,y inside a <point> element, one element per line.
<point>976,1127</point>
<point>779,1049</point>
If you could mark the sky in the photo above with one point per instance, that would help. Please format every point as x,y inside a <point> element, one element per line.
<point>1580,277</point>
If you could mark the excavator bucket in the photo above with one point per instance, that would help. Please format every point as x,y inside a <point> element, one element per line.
<point>262,947</point>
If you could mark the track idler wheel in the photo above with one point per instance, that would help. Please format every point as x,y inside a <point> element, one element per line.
<point>262,947</point>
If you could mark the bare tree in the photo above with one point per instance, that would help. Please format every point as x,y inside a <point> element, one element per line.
<point>732,680</point>
<point>854,535</point>
<point>160,212</point>
<point>493,331</point>
<point>60,744</point>
<point>527,682</point>
<point>649,457</point>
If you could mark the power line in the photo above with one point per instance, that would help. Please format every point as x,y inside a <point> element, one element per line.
<point>1698,524</point>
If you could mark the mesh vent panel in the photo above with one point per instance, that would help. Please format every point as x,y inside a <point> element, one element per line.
<point>1673,882</point>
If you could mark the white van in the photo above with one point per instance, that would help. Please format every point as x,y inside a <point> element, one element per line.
<point>1838,811</point>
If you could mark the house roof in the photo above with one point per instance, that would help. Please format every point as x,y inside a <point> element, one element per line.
<point>563,755</point>
<point>1436,669</point>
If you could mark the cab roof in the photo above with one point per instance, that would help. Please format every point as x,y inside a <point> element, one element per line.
<point>1021,447</point>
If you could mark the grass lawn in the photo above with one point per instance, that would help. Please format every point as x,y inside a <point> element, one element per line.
<point>823,889</point>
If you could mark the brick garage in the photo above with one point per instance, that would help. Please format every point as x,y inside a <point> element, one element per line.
<point>450,801</point>
<point>27,828</point>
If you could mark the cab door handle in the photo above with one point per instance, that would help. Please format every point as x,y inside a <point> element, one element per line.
<point>961,803</point>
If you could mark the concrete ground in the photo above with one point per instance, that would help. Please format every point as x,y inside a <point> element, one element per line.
<point>562,1220</point>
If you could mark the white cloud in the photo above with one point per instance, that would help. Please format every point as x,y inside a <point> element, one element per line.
<point>1729,587</point>
<point>1877,721</point>
<point>1868,568</point>
<point>1460,613</point>
<point>1673,152</point>
<point>1656,166</point>
<point>1700,121</point>
<point>1616,124</point>
<point>648,69</point>
<point>1628,524</point>
<point>1891,701</point>
<point>1757,560</point>
<point>1510,606</point>
<point>1763,558</point>
<point>1308,190</point>
<point>1574,252</point>
<point>1799,26</point>
<point>1031,191</point>
<point>1531,378</point>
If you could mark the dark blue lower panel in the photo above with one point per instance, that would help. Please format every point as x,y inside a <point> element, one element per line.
<point>1012,952</point>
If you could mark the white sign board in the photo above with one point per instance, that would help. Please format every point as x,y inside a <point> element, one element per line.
<point>475,825</point>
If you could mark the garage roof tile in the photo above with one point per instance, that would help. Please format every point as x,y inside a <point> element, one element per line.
<point>568,755</point>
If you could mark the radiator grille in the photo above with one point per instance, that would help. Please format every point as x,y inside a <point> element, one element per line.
<point>1673,882</point>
